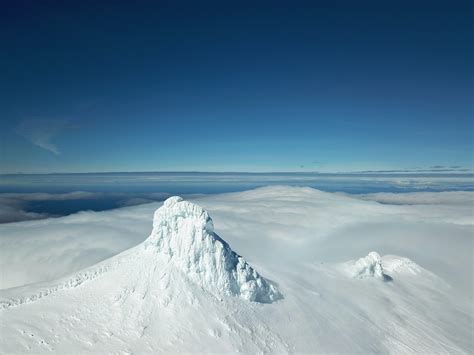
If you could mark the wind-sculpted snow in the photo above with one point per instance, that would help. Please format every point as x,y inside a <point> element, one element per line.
<point>184,233</point>
<point>368,266</point>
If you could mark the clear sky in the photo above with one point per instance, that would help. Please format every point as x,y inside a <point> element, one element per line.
<point>235,86</point>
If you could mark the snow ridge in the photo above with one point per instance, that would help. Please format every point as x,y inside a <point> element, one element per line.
<point>183,234</point>
<point>71,282</point>
<point>48,288</point>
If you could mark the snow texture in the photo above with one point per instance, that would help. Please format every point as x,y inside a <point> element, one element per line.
<point>184,232</point>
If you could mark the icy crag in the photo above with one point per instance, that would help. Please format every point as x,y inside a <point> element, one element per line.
<point>368,266</point>
<point>183,233</point>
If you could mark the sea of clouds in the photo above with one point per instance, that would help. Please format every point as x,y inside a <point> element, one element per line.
<point>31,197</point>
<point>294,224</point>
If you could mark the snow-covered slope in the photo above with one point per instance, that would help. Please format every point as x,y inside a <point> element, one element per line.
<point>183,239</point>
<point>184,290</point>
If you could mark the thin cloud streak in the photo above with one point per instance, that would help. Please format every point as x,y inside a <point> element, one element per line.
<point>41,132</point>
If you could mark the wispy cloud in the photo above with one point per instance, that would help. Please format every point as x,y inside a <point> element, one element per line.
<point>41,132</point>
<point>431,169</point>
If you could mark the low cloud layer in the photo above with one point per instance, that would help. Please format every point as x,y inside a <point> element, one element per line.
<point>19,206</point>
<point>15,207</point>
<point>296,224</point>
<point>462,198</point>
<point>431,169</point>
<point>13,210</point>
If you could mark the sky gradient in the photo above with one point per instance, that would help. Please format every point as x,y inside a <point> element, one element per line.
<point>191,86</point>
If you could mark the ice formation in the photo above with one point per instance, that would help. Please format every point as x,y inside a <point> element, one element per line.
<point>184,234</point>
<point>369,266</point>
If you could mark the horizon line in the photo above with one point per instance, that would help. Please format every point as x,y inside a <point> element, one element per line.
<point>465,171</point>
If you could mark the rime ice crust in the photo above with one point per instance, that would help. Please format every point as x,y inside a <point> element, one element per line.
<point>369,266</point>
<point>183,233</point>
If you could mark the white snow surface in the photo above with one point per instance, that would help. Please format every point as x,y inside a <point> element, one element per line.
<point>184,290</point>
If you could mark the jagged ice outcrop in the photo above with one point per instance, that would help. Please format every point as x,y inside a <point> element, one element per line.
<point>183,233</point>
<point>369,266</point>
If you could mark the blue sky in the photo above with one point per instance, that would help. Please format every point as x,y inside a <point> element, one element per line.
<point>292,86</point>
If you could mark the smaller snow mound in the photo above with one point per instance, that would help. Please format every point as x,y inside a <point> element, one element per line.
<point>366,267</point>
<point>403,268</point>
<point>183,234</point>
<point>397,264</point>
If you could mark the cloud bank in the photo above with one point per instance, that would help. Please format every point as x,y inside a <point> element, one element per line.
<point>465,198</point>
<point>112,190</point>
<point>298,225</point>
<point>14,207</point>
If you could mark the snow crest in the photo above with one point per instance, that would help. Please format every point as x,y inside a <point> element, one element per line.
<point>369,266</point>
<point>183,233</point>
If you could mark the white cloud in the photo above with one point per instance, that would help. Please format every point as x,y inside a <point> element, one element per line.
<point>41,132</point>
<point>422,198</point>
<point>14,206</point>
<point>268,225</point>
<point>14,210</point>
